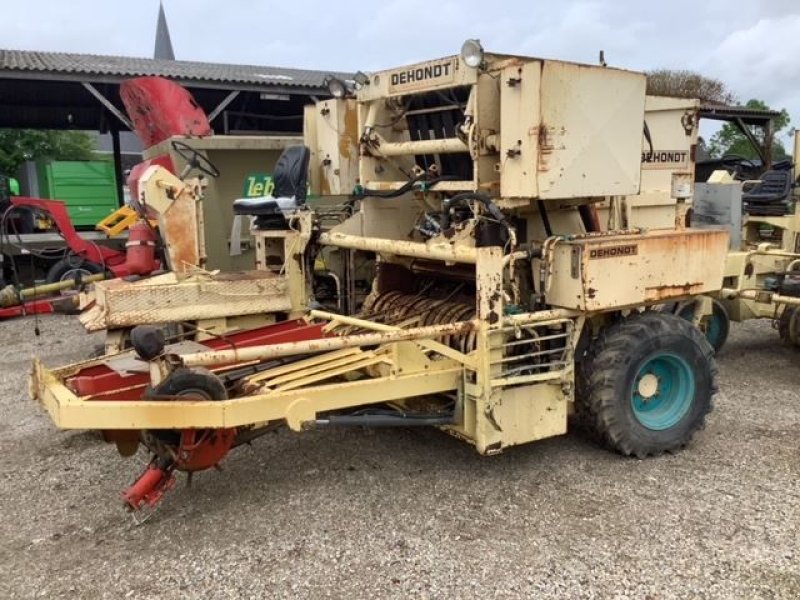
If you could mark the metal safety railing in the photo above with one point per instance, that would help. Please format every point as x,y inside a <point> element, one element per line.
<point>533,352</point>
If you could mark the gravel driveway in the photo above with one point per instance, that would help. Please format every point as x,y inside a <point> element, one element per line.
<point>412,513</point>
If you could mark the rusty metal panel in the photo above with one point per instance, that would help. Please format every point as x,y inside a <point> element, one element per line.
<point>332,136</point>
<point>164,299</point>
<point>672,123</point>
<point>520,118</point>
<point>603,272</point>
<point>530,412</point>
<point>590,136</point>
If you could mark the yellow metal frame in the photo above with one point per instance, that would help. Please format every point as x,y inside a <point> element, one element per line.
<point>296,406</point>
<point>121,220</point>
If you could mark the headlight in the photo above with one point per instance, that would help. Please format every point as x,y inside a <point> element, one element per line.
<point>336,87</point>
<point>472,53</point>
<point>361,79</point>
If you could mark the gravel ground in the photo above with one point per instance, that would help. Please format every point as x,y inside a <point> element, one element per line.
<point>412,513</point>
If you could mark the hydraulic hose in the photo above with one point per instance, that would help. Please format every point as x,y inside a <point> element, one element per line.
<point>406,187</point>
<point>481,197</point>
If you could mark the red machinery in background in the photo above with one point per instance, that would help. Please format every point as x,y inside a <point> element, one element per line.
<point>159,109</point>
<point>87,256</point>
<point>86,261</point>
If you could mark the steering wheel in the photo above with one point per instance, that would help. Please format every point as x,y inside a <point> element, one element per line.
<point>194,159</point>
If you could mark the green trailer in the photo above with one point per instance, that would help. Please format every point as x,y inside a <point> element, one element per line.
<point>88,187</point>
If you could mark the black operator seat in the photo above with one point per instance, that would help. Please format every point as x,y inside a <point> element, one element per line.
<point>772,196</point>
<point>290,180</point>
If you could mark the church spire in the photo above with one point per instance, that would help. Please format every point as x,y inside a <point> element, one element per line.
<point>163,48</point>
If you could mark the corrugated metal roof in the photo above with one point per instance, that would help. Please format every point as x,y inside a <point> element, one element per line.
<point>55,63</point>
<point>723,111</point>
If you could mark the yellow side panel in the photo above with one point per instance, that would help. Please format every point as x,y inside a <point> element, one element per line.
<point>529,413</point>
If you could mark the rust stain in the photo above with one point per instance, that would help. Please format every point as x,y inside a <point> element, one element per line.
<point>664,292</point>
<point>347,145</point>
<point>180,228</point>
<point>325,185</point>
<point>244,276</point>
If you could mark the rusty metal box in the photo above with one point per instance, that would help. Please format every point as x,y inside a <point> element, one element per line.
<point>163,298</point>
<point>598,272</point>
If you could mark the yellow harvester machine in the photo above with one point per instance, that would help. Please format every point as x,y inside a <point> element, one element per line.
<point>500,304</point>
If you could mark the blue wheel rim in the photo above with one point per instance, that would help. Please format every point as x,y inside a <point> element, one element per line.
<point>712,324</point>
<point>714,328</point>
<point>663,391</point>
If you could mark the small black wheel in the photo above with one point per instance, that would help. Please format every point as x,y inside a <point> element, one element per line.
<point>716,326</point>
<point>71,266</point>
<point>647,384</point>
<point>196,383</point>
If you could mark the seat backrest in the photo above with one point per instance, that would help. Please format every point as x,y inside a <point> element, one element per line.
<point>774,187</point>
<point>291,173</point>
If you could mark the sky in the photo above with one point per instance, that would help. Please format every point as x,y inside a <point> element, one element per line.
<point>753,46</point>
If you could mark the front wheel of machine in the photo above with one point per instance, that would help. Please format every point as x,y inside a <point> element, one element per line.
<point>789,326</point>
<point>69,267</point>
<point>647,384</point>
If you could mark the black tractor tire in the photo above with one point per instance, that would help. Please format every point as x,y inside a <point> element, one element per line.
<point>674,355</point>
<point>785,326</point>
<point>71,264</point>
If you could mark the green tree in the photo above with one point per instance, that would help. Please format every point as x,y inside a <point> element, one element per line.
<point>19,145</point>
<point>730,140</point>
<point>688,84</point>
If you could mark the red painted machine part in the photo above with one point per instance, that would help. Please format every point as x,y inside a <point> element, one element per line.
<point>140,249</point>
<point>34,307</point>
<point>100,382</point>
<point>90,251</point>
<point>160,109</point>
<point>202,449</point>
<point>149,488</point>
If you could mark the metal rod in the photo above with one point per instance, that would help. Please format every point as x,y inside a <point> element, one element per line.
<point>536,340</point>
<point>543,368</point>
<point>345,320</point>
<point>107,103</point>
<point>443,146</point>
<point>771,297</point>
<point>384,421</point>
<point>445,252</point>
<point>553,314</point>
<point>224,357</point>
<point>425,111</point>
<point>222,105</point>
<point>519,357</point>
<point>66,284</point>
<point>119,178</point>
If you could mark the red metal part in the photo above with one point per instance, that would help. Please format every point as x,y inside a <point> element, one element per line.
<point>112,259</point>
<point>150,487</point>
<point>141,249</point>
<point>100,382</point>
<point>202,449</point>
<point>34,307</point>
<point>138,259</point>
<point>160,108</point>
